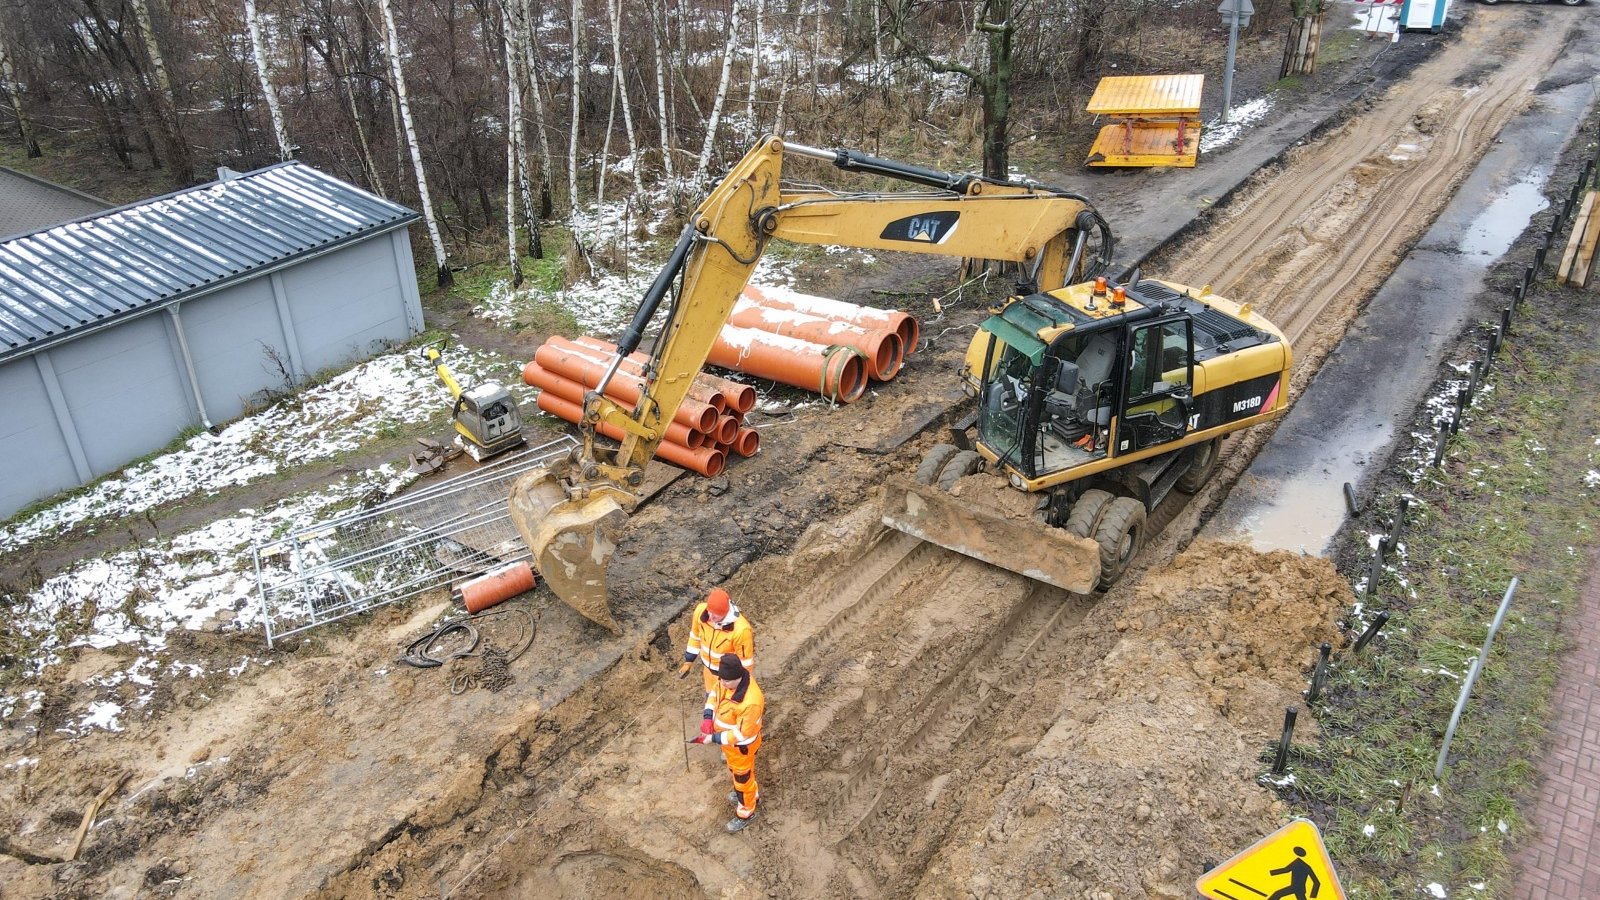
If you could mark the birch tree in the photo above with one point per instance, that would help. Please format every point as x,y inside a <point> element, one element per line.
<point>529,35</point>
<point>279,129</point>
<point>755,76</point>
<point>392,50</point>
<point>662,113</point>
<point>517,40</point>
<point>8,83</point>
<point>704,164</point>
<point>622,86</point>
<point>579,60</point>
<point>513,127</point>
<point>167,104</point>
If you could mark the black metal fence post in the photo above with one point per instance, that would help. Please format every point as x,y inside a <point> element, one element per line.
<point>1319,673</point>
<point>1376,626</point>
<point>1282,761</point>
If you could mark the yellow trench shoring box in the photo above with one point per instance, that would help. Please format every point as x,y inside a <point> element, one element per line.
<point>1154,120</point>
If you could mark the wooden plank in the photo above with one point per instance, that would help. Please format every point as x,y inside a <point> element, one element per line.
<point>1580,224</point>
<point>1584,269</point>
<point>1147,95</point>
<point>1146,144</point>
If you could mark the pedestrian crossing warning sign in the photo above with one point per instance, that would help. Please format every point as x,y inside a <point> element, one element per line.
<point>1288,864</point>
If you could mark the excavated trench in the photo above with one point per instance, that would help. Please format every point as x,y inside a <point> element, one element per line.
<point>935,727</point>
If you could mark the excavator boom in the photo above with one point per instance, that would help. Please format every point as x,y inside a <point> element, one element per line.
<point>570,515</point>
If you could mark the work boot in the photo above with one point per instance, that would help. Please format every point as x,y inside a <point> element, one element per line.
<point>737,824</point>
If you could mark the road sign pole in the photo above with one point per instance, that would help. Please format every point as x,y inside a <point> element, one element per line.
<point>1233,46</point>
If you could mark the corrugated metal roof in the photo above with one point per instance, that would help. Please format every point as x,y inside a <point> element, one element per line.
<point>29,203</point>
<point>124,262</point>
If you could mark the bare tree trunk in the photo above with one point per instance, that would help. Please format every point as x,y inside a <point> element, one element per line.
<point>578,62</point>
<point>529,33</point>
<point>722,93</point>
<point>8,83</point>
<point>622,86</point>
<point>279,129</point>
<point>661,103</point>
<point>513,131</point>
<point>516,50</point>
<point>167,105</point>
<point>750,130</point>
<point>605,145</point>
<point>779,122</point>
<point>393,52</point>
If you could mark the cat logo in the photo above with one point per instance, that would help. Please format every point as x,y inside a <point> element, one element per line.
<point>927,228</point>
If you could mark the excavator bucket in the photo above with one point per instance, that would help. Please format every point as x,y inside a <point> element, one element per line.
<point>964,523</point>
<point>572,539</point>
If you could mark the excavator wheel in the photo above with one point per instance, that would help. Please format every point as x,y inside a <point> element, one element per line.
<point>1120,535</point>
<point>1202,462</point>
<point>934,462</point>
<point>964,463</point>
<point>1084,519</point>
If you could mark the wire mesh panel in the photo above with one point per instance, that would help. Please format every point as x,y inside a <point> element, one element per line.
<point>399,548</point>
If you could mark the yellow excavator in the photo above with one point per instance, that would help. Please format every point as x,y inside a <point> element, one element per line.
<point>1122,387</point>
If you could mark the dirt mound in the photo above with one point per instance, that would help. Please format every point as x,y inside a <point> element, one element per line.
<point>1148,775</point>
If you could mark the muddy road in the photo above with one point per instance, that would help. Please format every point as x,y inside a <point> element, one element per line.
<point>935,727</point>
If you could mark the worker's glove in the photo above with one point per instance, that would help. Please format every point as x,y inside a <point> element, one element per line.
<point>701,739</point>
<point>685,669</point>
<point>706,727</point>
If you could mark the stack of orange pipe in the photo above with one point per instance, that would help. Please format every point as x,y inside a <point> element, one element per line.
<point>866,318</point>
<point>708,426</point>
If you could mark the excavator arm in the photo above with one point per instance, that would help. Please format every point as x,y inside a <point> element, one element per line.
<point>570,515</point>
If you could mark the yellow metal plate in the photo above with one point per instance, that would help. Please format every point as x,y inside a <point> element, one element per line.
<point>1147,95</point>
<point>1146,144</point>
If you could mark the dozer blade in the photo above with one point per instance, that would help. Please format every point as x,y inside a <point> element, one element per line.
<point>1030,548</point>
<point>572,540</point>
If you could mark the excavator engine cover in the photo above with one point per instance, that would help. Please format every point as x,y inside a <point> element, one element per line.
<point>572,536</point>
<point>1000,538</point>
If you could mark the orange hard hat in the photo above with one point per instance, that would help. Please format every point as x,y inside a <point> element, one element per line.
<point>717,603</point>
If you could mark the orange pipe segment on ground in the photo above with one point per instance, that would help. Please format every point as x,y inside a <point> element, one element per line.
<point>727,430</point>
<point>707,461</point>
<point>902,323</point>
<point>494,586</point>
<point>881,345</point>
<point>747,443</point>
<point>837,375</point>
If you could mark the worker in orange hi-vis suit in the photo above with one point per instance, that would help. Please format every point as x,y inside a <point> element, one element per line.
<point>732,721</point>
<point>716,629</point>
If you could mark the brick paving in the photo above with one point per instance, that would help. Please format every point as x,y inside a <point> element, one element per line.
<point>1562,860</point>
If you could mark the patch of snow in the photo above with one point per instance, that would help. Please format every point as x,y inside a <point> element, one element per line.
<point>101,714</point>
<point>1436,889</point>
<point>1369,829</point>
<point>1218,134</point>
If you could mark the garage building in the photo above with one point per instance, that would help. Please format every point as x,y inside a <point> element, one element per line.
<point>120,330</point>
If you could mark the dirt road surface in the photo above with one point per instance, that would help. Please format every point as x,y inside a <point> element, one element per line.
<point>936,727</point>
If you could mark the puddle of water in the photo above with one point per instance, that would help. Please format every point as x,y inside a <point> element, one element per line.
<point>1491,232</point>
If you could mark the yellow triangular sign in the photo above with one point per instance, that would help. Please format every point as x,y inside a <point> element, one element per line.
<point>1288,864</point>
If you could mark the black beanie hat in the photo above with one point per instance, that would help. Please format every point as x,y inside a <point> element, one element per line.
<point>729,668</point>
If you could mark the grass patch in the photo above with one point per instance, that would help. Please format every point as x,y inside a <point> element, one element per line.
<point>1510,500</point>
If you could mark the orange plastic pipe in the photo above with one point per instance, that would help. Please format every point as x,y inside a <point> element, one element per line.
<point>727,430</point>
<point>624,386</point>
<point>903,324</point>
<point>708,461</point>
<point>747,443</point>
<point>838,375</point>
<point>603,352</point>
<point>730,395</point>
<point>882,345</point>
<point>573,392</point>
<point>741,397</point>
<point>495,586</point>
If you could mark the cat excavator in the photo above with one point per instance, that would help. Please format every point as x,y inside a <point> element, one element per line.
<point>1092,396</point>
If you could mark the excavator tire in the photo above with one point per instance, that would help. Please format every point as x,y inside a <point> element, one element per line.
<point>1084,519</point>
<point>934,462</point>
<point>1202,462</point>
<point>1120,535</point>
<point>964,463</point>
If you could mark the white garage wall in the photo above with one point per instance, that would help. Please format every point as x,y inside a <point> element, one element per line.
<point>38,460</point>
<point>125,390</point>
